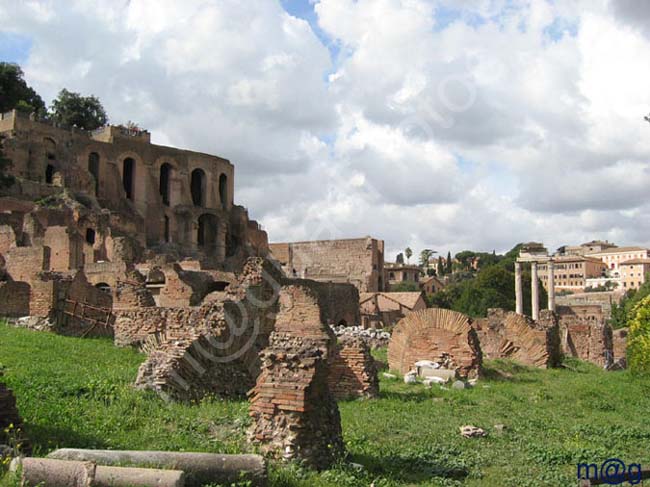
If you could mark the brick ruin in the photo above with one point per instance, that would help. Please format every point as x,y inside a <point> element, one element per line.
<point>506,334</point>
<point>586,335</point>
<point>353,372</point>
<point>619,344</point>
<point>438,335</point>
<point>294,412</point>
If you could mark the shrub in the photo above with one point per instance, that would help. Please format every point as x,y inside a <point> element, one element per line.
<point>638,345</point>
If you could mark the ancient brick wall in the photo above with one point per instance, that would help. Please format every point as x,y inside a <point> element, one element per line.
<point>84,310</point>
<point>294,413</point>
<point>23,263</point>
<point>584,338</point>
<point>352,370</point>
<point>619,344</point>
<point>357,261</point>
<point>66,248</point>
<point>438,335</point>
<point>7,238</point>
<point>14,298</point>
<point>505,334</point>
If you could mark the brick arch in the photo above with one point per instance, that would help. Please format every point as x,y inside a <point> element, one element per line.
<point>435,334</point>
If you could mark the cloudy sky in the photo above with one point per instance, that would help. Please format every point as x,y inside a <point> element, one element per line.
<point>443,124</point>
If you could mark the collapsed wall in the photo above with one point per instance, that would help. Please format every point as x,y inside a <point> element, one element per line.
<point>353,372</point>
<point>437,335</point>
<point>294,413</point>
<point>508,335</point>
<point>213,349</point>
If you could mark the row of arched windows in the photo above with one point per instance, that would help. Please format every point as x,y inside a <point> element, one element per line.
<point>198,181</point>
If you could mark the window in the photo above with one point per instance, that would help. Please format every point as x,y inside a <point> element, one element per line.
<point>90,236</point>
<point>197,187</point>
<point>165,173</point>
<point>223,190</point>
<point>128,174</point>
<point>93,168</point>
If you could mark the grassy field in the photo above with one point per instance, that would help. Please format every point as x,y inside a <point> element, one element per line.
<point>77,393</point>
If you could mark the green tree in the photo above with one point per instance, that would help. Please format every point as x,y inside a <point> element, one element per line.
<point>408,253</point>
<point>405,287</point>
<point>441,267</point>
<point>6,180</point>
<point>465,258</point>
<point>425,257</point>
<point>72,109</point>
<point>400,258</point>
<point>623,312</point>
<point>449,263</point>
<point>638,340</point>
<point>15,93</point>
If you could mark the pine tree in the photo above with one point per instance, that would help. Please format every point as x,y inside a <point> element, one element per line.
<point>449,267</point>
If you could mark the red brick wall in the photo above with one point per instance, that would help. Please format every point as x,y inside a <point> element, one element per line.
<point>352,370</point>
<point>14,298</point>
<point>23,263</point>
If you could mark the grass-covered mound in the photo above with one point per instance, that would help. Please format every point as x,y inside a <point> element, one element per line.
<point>77,393</point>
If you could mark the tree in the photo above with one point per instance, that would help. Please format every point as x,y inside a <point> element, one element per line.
<point>408,252</point>
<point>425,257</point>
<point>465,258</point>
<point>400,258</point>
<point>72,109</point>
<point>405,287</point>
<point>6,180</point>
<point>449,264</point>
<point>15,93</point>
<point>441,267</point>
<point>638,340</point>
<point>623,312</point>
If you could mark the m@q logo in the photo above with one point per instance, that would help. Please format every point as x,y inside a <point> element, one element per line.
<point>612,471</point>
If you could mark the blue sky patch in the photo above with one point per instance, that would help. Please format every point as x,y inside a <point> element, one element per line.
<point>14,48</point>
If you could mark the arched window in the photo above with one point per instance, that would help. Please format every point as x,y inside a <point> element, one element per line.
<point>93,168</point>
<point>49,174</point>
<point>165,175</point>
<point>223,191</point>
<point>90,236</point>
<point>102,286</point>
<point>128,176</point>
<point>197,187</point>
<point>207,231</point>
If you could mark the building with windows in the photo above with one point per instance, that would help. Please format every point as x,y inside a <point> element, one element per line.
<point>634,272</point>
<point>571,272</point>
<point>614,257</point>
<point>400,273</point>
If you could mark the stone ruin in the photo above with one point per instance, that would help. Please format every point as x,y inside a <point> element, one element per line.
<point>619,338</point>
<point>353,372</point>
<point>294,411</point>
<point>508,335</point>
<point>436,335</point>
<point>585,336</point>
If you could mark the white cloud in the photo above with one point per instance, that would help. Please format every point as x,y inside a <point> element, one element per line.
<point>511,121</point>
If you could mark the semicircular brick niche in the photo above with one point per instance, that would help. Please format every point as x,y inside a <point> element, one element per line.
<point>438,335</point>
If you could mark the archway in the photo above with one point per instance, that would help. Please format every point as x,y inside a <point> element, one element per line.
<point>197,187</point>
<point>49,174</point>
<point>207,231</point>
<point>93,168</point>
<point>102,286</point>
<point>223,191</point>
<point>90,236</point>
<point>128,176</point>
<point>165,176</point>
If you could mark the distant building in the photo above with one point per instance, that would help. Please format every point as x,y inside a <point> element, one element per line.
<point>379,310</point>
<point>359,261</point>
<point>431,285</point>
<point>399,273</point>
<point>614,257</point>
<point>585,248</point>
<point>633,272</point>
<point>571,272</point>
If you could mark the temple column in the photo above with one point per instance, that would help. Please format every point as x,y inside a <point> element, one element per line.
<point>551,285</point>
<point>534,290</point>
<point>518,290</point>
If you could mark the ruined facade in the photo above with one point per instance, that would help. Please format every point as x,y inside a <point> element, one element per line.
<point>108,203</point>
<point>353,372</point>
<point>508,335</point>
<point>437,335</point>
<point>584,336</point>
<point>357,261</point>
<point>385,309</point>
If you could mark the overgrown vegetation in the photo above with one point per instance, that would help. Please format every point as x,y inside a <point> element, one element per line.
<point>6,179</point>
<point>77,392</point>
<point>623,312</point>
<point>638,348</point>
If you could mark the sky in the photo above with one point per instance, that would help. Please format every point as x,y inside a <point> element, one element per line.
<point>440,124</point>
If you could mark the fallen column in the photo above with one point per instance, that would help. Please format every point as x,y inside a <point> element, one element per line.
<point>199,468</point>
<point>143,477</point>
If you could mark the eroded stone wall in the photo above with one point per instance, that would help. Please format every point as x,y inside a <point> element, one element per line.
<point>353,372</point>
<point>585,338</point>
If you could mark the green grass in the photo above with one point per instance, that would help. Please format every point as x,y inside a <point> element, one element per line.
<point>77,393</point>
